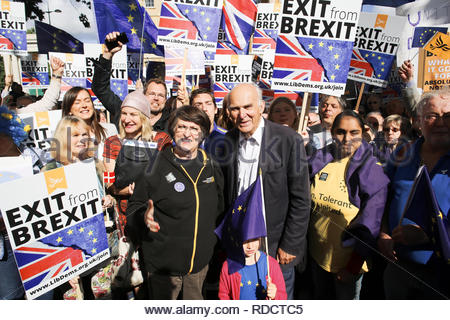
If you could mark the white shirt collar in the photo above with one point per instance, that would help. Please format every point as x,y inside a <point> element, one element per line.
<point>257,135</point>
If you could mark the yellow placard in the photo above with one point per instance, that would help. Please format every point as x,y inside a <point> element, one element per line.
<point>55,179</point>
<point>234,59</point>
<point>436,73</point>
<point>42,119</point>
<point>6,6</point>
<point>439,45</point>
<point>381,20</point>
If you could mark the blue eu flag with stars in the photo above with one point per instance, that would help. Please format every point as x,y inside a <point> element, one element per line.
<point>423,34</point>
<point>244,221</point>
<point>128,17</point>
<point>423,210</point>
<point>51,39</point>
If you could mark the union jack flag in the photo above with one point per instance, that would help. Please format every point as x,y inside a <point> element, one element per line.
<point>68,83</point>
<point>267,95</point>
<point>52,256</point>
<point>174,58</point>
<point>264,39</point>
<point>294,63</point>
<point>39,263</point>
<point>29,80</point>
<point>221,89</point>
<point>5,43</point>
<point>224,47</point>
<point>359,65</point>
<point>189,22</point>
<point>238,21</point>
<point>17,38</point>
<point>295,97</point>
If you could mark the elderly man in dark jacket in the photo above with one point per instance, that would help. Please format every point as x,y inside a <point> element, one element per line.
<point>278,151</point>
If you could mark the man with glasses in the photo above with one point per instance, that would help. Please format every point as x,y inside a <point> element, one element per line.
<point>154,89</point>
<point>418,269</point>
<point>175,208</point>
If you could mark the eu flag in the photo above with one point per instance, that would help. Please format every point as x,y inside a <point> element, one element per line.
<point>423,209</point>
<point>244,221</point>
<point>128,17</point>
<point>423,34</point>
<point>50,38</point>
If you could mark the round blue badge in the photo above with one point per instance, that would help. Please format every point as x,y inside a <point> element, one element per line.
<point>179,186</point>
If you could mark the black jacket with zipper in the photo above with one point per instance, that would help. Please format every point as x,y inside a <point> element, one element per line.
<point>187,213</point>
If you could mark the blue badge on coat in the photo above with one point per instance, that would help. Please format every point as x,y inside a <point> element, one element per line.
<point>179,187</point>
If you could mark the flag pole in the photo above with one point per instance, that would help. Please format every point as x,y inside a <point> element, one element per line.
<point>265,221</point>
<point>183,75</point>
<point>142,43</point>
<point>361,91</point>
<point>303,113</point>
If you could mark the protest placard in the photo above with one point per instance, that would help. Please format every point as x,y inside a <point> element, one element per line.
<point>74,72</point>
<point>13,30</point>
<point>174,59</point>
<point>55,225</point>
<point>133,69</point>
<point>43,125</point>
<point>35,71</point>
<point>119,75</point>
<point>265,80</point>
<point>191,24</point>
<point>314,45</point>
<point>230,70</point>
<point>436,73</point>
<point>419,13</point>
<point>376,44</point>
<point>266,28</point>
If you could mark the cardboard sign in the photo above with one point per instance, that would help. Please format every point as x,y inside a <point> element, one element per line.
<point>314,45</point>
<point>230,70</point>
<point>55,225</point>
<point>189,25</point>
<point>436,74</point>
<point>13,30</point>
<point>43,125</point>
<point>195,62</point>
<point>119,75</point>
<point>74,72</point>
<point>35,71</point>
<point>376,44</point>
<point>266,28</point>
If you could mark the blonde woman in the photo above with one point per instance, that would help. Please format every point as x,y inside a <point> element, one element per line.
<point>72,143</point>
<point>134,125</point>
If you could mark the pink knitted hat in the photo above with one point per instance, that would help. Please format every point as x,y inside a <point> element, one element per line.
<point>138,101</point>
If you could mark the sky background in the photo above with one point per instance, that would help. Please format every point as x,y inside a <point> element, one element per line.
<point>68,19</point>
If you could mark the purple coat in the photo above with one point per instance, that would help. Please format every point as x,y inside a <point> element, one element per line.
<point>367,187</point>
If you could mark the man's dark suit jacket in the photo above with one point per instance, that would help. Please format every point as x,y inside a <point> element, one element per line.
<point>284,166</point>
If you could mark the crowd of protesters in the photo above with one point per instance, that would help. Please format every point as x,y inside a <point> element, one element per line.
<point>334,194</point>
